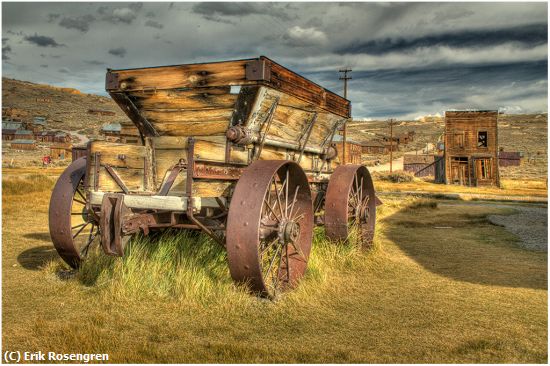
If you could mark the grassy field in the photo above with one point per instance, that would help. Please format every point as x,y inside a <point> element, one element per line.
<point>467,293</point>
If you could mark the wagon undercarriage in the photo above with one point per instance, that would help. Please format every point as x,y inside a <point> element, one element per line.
<point>255,170</point>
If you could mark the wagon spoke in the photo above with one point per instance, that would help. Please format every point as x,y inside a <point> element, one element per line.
<point>272,210</point>
<point>79,201</point>
<point>80,230</point>
<point>286,193</point>
<point>80,194</point>
<point>272,261</point>
<point>278,198</point>
<point>294,200</point>
<point>79,225</point>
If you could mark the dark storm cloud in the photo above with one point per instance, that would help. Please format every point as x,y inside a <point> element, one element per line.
<point>234,9</point>
<point>530,35</point>
<point>94,62</point>
<point>153,24</point>
<point>44,66</point>
<point>81,23</point>
<point>6,50</point>
<point>407,58</point>
<point>119,52</point>
<point>43,41</point>
<point>53,17</point>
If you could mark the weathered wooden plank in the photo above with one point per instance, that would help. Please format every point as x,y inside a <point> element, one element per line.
<point>181,76</point>
<point>194,128</point>
<point>188,115</point>
<point>185,99</point>
<point>132,178</point>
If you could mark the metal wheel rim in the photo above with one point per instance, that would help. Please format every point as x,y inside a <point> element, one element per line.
<point>350,204</point>
<point>72,229</point>
<point>270,227</point>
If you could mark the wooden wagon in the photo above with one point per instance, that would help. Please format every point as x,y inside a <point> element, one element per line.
<point>241,150</point>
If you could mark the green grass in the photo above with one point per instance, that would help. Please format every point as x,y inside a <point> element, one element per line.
<point>464,293</point>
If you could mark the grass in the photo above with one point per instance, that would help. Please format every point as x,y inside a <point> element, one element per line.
<point>509,187</point>
<point>467,293</point>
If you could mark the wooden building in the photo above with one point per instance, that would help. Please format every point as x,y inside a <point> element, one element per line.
<point>390,145</point>
<point>8,134</point>
<point>111,132</point>
<point>471,148</point>
<point>509,158</point>
<point>373,147</point>
<point>418,163</point>
<point>61,137</point>
<point>78,152</point>
<point>22,144</point>
<point>61,151</point>
<point>24,135</point>
<point>353,150</point>
<point>101,112</point>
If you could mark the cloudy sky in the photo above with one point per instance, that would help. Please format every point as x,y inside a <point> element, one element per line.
<point>408,59</point>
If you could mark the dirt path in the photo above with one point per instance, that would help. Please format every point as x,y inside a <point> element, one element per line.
<point>530,224</point>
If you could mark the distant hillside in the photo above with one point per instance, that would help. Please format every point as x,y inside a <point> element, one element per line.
<point>65,108</point>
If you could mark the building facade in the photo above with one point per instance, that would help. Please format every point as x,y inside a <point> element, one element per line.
<point>471,148</point>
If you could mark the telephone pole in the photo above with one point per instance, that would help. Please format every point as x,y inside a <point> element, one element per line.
<point>392,122</point>
<point>345,78</point>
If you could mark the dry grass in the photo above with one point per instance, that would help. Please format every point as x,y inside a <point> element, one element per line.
<point>465,294</point>
<point>509,187</point>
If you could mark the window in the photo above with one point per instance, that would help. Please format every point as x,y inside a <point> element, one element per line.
<point>484,170</point>
<point>482,139</point>
<point>458,140</point>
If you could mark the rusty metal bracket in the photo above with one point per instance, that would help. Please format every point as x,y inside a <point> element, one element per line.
<point>97,157</point>
<point>258,70</point>
<point>111,80</point>
<point>113,213</point>
<point>267,123</point>
<point>172,177</point>
<point>115,176</point>
<point>189,192</point>
<point>307,133</point>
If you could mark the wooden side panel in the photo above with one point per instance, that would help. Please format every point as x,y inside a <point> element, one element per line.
<point>291,118</point>
<point>127,161</point>
<point>214,98</point>
<point>181,76</point>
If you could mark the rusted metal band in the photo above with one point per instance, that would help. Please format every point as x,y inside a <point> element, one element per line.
<point>116,178</point>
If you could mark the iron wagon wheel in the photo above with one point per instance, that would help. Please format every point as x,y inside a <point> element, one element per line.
<point>270,227</point>
<point>72,228</point>
<point>350,204</point>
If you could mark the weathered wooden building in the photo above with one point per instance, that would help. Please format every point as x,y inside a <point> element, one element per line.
<point>111,132</point>
<point>101,112</point>
<point>471,148</point>
<point>61,151</point>
<point>8,134</point>
<point>509,158</point>
<point>373,147</point>
<point>22,144</point>
<point>24,135</point>
<point>78,152</point>
<point>353,150</point>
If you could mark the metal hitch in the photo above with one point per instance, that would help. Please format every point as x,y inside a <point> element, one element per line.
<point>113,213</point>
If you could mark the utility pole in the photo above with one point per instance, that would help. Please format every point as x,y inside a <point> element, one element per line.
<point>345,78</point>
<point>392,121</point>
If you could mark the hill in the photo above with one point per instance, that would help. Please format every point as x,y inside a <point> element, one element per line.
<point>65,108</point>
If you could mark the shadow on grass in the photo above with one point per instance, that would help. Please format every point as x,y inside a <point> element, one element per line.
<point>457,241</point>
<point>39,236</point>
<point>35,258</point>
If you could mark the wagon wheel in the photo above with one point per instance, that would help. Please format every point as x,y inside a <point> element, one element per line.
<point>350,204</point>
<point>72,228</point>
<point>270,227</point>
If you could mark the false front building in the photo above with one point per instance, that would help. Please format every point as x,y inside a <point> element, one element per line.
<point>471,148</point>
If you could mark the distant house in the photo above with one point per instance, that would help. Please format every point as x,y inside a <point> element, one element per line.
<point>78,152</point>
<point>101,112</point>
<point>353,150</point>
<point>373,147</point>
<point>471,147</point>
<point>24,135</point>
<point>11,125</point>
<point>62,137</point>
<point>37,124</point>
<point>391,145</point>
<point>8,134</point>
<point>45,136</point>
<point>111,132</point>
<point>509,158</point>
<point>22,144</point>
<point>60,151</point>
